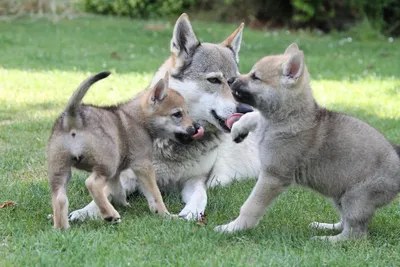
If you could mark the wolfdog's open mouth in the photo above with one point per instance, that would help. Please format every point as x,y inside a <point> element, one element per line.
<point>221,121</point>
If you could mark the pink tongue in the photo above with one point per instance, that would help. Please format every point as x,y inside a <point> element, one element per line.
<point>232,119</point>
<point>199,133</point>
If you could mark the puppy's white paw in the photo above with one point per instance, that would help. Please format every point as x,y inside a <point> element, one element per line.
<point>239,224</point>
<point>191,214</point>
<point>247,123</point>
<point>239,131</point>
<point>83,215</point>
<point>332,239</point>
<point>314,225</point>
<point>326,226</point>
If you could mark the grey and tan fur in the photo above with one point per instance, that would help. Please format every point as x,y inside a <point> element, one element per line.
<point>336,155</point>
<point>108,140</point>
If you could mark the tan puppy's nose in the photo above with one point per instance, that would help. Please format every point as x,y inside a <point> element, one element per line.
<point>196,131</point>
<point>191,130</point>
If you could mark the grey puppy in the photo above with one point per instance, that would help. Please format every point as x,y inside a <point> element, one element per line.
<point>108,140</point>
<point>336,155</point>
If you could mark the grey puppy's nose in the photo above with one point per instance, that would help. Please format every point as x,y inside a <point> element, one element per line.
<point>243,108</point>
<point>231,80</point>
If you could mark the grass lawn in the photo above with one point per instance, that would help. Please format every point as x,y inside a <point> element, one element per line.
<point>42,63</point>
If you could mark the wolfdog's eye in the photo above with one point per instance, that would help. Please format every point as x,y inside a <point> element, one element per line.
<point>254,77</point>
<point>177,114</point>
<point>214,80</point>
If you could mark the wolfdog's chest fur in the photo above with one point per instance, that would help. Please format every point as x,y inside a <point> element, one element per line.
<point>175,162</point>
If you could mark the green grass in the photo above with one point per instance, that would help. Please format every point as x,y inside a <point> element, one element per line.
<point>41,64</point>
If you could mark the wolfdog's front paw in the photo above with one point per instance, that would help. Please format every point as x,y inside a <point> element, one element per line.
<point>83,214</point>
<point>191,214</point>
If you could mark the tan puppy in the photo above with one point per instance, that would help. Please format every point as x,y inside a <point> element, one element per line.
<point>334,154</point>
<point>108,140</point>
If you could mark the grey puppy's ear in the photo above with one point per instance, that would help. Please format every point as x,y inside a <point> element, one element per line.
<point>292,49</point>
<point>159,92</point>
<point>235,40</point>
<point>183,39</point>
<point>293,68</point>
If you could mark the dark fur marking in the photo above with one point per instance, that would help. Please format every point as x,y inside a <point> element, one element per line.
<point>234,54</point>
<point>187,63</point>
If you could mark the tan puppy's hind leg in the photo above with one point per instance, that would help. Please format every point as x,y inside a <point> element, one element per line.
<point>147,178</point>
<point>60,208</point>
<point>96,183</point>
<point>59,174</point>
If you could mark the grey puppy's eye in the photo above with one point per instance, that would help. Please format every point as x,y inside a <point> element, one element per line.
<point>214,80</point>
<point>254,77</point>
<point>177,114</point>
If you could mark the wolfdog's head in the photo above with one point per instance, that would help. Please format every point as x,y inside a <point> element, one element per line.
<point>202,72</point>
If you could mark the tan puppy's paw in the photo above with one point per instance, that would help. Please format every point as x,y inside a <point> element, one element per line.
<point>113,220</point>
<point>112,216</point>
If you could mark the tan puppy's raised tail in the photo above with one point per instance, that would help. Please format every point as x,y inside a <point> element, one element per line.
<point>70,120</point>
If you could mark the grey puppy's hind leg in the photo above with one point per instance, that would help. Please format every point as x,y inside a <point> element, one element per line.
<point>358,206</point>
<point>330,226</point>
<point>357,210</point>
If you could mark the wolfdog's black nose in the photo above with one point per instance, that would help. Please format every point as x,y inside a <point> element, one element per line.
<point>243,108</point>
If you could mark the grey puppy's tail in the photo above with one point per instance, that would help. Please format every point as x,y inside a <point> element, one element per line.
<point>73,103</point>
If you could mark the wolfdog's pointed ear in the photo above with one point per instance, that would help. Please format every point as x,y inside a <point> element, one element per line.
<point>293,68</point>
<point>235,40</point>
<point>159,92</point>
<point>166,79</point>
<point>292,49</point>
<point>183,38</point>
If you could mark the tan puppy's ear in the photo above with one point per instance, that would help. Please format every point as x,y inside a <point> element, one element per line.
<point>293,68</point>
<point>292,49</point>
<point>159,92</point>
<point>183,39</point>
<point>234,41</point>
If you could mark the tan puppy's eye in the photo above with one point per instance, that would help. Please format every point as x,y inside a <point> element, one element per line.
<point>254,77</point>
<point>177,114</point>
